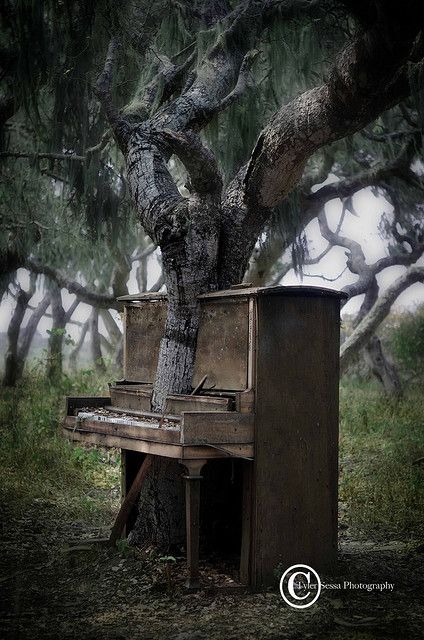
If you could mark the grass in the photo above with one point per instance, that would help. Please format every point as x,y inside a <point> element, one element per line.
<point>381,482</point>
<point>35,459</point>
<point>381,443</point>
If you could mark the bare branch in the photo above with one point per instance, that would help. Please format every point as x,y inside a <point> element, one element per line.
<point>75,351</point>
<point>244,81</point>
<point>74,157</point>
<point>63,281</point>
<point>30,329</point>
<point>379,173</point>
<point>369,324</point>
<point>70,312</point>
<point>388,135</point>
<point>157,286</point>
<point>370,298</point>
<point>369,76</point>
<point>103,88</point>
<point>317,275</point>
<point>356,260</point>
<point>199,161</point>
<point>43,156</point>
<point>167,81</point>
<point>140,254</point>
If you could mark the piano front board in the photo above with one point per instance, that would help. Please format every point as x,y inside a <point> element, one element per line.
<point>222,344</point>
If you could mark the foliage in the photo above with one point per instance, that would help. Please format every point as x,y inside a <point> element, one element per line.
<point>407,341</point>
<point>36,460</point>
<point>382,482</point>
<point>72,214</point>
<point>292,59</point>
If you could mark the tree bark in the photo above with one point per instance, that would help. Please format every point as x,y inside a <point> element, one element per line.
<point>118,357</point>
<point>161,508</point>
<point>29,332</point>
<point>11,369</point>
<point>112,328</point>
<point>54,367</point>
<point>96,351</point>
<point>383,369</point>
<point>76,350</point>
<point>366,328</point>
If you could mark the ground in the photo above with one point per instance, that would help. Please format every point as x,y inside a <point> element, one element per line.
<point>52,589</point>
<point>53,496</point>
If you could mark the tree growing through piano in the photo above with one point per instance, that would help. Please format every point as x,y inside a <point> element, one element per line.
<point>254,101</point>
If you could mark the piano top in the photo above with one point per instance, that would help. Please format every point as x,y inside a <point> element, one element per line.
<point>246,291</point>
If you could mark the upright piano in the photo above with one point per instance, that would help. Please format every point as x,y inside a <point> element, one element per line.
<point>265,394</point>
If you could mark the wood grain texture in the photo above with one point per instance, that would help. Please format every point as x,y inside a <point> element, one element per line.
<point>296,435</point>
<point>144,327</point>
<point>129,501</point>
<point>222,344</point>
<point>200,427</point>
<point>137,397</point>
<point>168,450</point>
<point>124,431</point>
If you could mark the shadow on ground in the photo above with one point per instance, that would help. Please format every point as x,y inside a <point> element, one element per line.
<point>53,590</point>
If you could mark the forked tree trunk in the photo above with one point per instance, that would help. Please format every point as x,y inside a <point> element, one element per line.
<point>382,368</point>
<point>211,232</point>
<point>29,332</point>
<point>11,369</point>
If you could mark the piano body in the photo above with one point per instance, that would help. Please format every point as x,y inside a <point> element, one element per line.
<point>267,374</point>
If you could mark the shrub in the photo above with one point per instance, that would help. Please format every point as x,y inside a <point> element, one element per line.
<point>406,340</point>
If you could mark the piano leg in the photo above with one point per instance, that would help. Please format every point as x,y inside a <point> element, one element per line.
<point>192,496</point>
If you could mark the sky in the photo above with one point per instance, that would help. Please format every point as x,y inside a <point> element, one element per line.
<point>363,228</point>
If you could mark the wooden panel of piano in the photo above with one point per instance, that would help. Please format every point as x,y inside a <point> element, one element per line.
<point>270,398</point>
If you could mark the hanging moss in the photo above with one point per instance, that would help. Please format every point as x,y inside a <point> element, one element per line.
<point>416,80</point>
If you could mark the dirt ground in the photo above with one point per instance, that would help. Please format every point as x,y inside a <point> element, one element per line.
<point>52,589</point>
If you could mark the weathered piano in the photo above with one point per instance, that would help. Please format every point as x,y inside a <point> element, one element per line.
<point>265,394</point>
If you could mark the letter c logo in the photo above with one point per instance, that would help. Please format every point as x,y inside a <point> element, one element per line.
<point>310,591</point>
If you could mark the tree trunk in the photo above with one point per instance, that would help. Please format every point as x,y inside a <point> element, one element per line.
<point>55,347</point>
<point>96,351</point>
<point>189,268</point>
<point>141,274</point>
<point>208,232</point>
<point>365,329</point>
<point>161,508</point>
<point>118,358</point>
<point>11,369</point>
<point>76,350</point>
<point>112,328</point>
<point>29,332</point>
<point>383,369</point>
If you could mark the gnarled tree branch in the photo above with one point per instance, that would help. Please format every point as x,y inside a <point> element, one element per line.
<point>373,319</point>
<point>63,281</point>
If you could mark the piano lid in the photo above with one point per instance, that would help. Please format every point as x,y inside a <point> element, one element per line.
<point>239,291</point>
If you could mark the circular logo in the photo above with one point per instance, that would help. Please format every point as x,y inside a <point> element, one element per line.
<point>300,586</point>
